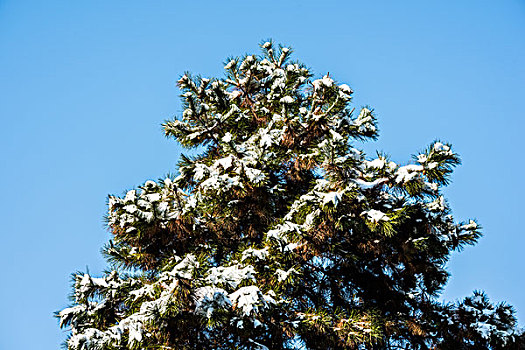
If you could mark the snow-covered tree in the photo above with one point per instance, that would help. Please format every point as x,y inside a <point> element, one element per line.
<point>281,234</point>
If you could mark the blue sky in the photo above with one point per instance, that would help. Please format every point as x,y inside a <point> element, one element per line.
<point>85,85</point>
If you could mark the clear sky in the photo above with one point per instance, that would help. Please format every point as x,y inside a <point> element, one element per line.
<point>85,85</point>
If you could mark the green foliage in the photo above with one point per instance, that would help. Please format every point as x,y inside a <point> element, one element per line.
<point>281,234</point>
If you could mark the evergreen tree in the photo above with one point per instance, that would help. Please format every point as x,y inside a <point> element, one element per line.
<point>281,234</point>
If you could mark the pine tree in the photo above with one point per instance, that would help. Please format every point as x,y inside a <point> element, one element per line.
<point>281,234</point>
